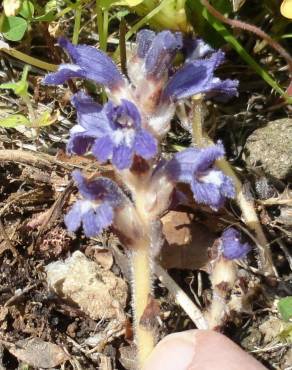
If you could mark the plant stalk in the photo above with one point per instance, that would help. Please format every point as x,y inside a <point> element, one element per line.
<point>142,289</point>
<point>77,23</point>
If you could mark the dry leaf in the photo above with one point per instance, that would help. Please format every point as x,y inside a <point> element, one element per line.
<point>187,241</point>
<point>128,357</point>
<point>38,353</point>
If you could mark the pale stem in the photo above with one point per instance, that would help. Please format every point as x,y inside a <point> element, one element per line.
<point>142,289</point>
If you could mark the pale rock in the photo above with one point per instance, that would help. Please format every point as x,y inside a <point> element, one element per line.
<point>98,292</point>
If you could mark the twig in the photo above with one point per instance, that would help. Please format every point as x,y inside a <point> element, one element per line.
<point>181,297</point>
<point>286,252</point>
<point>7,241</point>
<point>36,159</point>
<point>56,209</point>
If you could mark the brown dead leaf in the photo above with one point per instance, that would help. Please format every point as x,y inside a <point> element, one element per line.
<point>150,313</point>
<point>187,242</point>
<point>103,257</point>
<point>38,353</point>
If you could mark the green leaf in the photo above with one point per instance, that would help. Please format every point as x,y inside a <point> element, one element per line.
<point>27,9</point>
<point>285,308</point>
<point>48,17</point>
<point>20,88</point>
<point>47,13</point>
<point>45,119</point>
<point>13,28</point>
<point>14,120</point>
<point>130,3</point>
<point>286,334</point>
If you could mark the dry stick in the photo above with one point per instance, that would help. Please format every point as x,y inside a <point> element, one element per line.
<point>245,203</point>
<point>181,297</point>
<point>251,28</point>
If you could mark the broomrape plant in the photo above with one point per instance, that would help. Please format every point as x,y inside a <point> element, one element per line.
<point>127,131</point>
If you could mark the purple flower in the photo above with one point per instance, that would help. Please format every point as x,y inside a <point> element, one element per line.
<point>96,210</point>
<point>88,63</point>
<point>112,132</point>
<point>194,166</point>
<point>197,77</point>
<point>232,247</point>
<point>161,52</point>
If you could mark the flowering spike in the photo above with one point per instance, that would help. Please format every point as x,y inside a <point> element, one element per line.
<point>232,247</point>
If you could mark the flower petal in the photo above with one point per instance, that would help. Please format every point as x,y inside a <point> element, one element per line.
<point>96,220</point>
<point>103,149</point>
<point>161,53</point>
<point>90,115</point>
<point>64,73</point>
<point>90,63</point>
<point>124,114</point>
<point>73,217</point>
<point>145,144</point>
<point>197,77</point>
<point>232,247</point>
<point>208,193</point>
<point>79,143</point>
<point>122,156</point>
<point>100,188</point>
<point>144,40</point>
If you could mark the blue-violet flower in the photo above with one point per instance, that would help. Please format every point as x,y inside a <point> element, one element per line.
<point>96,210</point>
<point>111,132</point>
<point>194,166</point>
<point>232,246</point>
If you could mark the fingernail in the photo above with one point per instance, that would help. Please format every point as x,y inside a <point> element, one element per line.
<point>174,352</point>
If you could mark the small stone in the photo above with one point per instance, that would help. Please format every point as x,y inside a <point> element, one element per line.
<point>270,148</point>
<point>98,292</point>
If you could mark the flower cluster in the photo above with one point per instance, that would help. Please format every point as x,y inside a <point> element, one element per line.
<point>127,129</point>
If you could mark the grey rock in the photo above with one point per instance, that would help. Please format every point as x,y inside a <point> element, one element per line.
<point>270,148</point>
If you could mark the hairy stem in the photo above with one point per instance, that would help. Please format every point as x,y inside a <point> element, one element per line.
<point>142,289</point>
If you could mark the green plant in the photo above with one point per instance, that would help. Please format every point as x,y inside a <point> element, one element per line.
<point>33,120</point>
